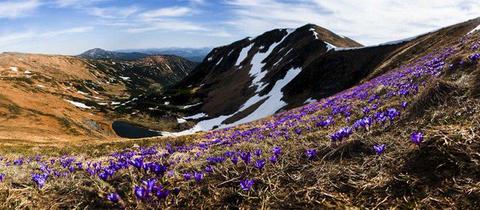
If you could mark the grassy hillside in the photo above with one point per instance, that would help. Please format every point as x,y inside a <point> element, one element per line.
<point>407,138</point>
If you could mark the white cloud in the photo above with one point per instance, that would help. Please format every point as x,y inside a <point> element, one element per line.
<point>167,25</point>
<point>67,31</point>
<point>368,21</point>
<point>10,39</point>
<point>112,12</point>
<point>15,9</point>
<point>76,3</point>
<point>167,12</point>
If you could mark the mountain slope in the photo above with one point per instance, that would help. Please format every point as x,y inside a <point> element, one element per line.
<point>281,69</point>
<point>49,99</point>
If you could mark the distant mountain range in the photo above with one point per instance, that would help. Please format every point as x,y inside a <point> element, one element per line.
<point>192,54</point>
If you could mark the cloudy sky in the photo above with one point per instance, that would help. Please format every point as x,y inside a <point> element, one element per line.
<point>72,26</point>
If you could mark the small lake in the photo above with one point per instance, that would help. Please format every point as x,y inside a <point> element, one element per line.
<point>128,130</point>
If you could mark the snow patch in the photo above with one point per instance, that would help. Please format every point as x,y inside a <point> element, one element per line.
<point>243,54</point>
<point>273,100</point>
<point>83,93</point>
<point>330,46</point>
<point>197,116</point>
<point>191,105</point>
<point>201,126</point>
<point>78,104</point>
<point>315,34</point>
<point>221,59</point>
<point>310,100</point>
<point>125,78</point>
<point>475,29</point>
<point>180,120</point>
<point>14,69</point>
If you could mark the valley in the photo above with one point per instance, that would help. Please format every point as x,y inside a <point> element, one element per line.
<point>49,99</point>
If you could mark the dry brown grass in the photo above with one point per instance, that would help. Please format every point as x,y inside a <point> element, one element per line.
<point>435,93</point>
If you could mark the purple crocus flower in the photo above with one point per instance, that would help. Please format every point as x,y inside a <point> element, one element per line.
<point>209,169</point>
<point>234,160</point>
<point>392,113</point>
<point>2,177</point>
<point>113,197</point>
<point>260,164</point>
<point>137,163</point>
<point>40,179</point>
<point>379,148</point>
<point>246,157</point>
<point>298,131</point>
<point>103,175</point>
<point>474,57</point>
<point>273,159</point>
<point>198,176</point>
<point>404,104</point>
<point>187,176</point>
<point>162,193</point>
<point>416,137</point>
<point>18,162</point>
<point>277,150</point>
<point>311,153</point>
<point>150,184</point>
<point>246,184</point>
<point>258,152</point>
<point>140,192</point>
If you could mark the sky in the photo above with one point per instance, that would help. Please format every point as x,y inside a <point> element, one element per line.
<point>73,26</point>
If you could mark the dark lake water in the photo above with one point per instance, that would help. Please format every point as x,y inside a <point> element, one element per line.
<point>127,130</point>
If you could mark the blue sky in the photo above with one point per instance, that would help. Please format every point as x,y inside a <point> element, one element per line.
<point>73,26</point>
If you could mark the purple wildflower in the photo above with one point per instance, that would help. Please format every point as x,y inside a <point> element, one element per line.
<point>311,153</point>
<point>140,192</point>
<point>162,193</point>
<point>187,176</point>
<point>416,137</point>
<point>298,131</point>
<point>150,185</point>
<point>277,150</point>
<point>198,176</point>
<point>273,159</point>
<point>379,148</point>
<point>209,169</point>
<point>246,184</point>
<point>258,152</point>
<point>260,164</point>
<point>113,197</point>
<point>234,160</point>
<point>246,157</point>
<point>40,179</point>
